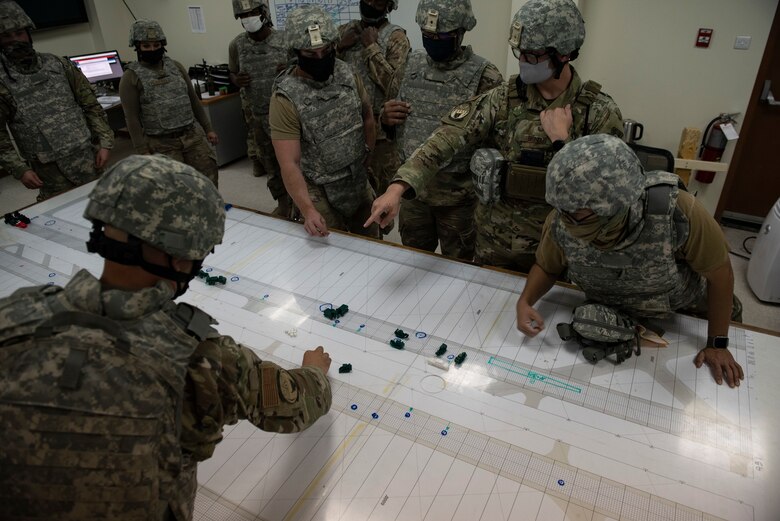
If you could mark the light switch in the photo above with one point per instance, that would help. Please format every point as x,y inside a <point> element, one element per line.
<point>742,42</point>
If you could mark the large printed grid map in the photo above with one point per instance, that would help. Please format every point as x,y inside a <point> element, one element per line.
<point>523,429</point>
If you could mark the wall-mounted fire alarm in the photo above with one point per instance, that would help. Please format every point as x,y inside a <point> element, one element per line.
<point>703,40</point>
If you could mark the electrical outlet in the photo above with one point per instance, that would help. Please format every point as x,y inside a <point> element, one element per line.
<point>742,42</point>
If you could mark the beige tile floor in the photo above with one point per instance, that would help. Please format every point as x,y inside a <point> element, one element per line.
<point>240,188</point>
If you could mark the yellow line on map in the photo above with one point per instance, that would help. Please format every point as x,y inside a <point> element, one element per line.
<point>333,460</point>
<point>235,268</point>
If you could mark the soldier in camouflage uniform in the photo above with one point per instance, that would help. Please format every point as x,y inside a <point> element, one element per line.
<point>161,105</point>
<point>633,241</point>
<point>256,57</point>
<point>376,49</point>
<point>323,130</point>
<point>526,119</point>
<point>111,393</point>
<point>442,76</point>
<point>61,130</point>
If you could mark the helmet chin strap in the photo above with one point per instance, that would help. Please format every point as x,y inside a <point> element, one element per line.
<point>130,253</point>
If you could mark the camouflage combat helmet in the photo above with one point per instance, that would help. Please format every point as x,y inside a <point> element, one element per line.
<point>164,203</point>
<point>540,24</point>
<point>146,31</point>
<point>599,172</point>
<point>13,17</point>
<point>308,27</point>
<point>443,16</point>
<point>244,6</point>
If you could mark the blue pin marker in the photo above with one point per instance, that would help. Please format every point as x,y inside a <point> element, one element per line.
<point>361,328</point>
<point>50,222</point>
<point>228,207</point>
<point>325,306</point>
<point>561,482</point>
<point>354,407</point>
<point>264,297</point>
<point>445,431</point>
<point>209,270</point>
<point>420,334</point>
<point>52,275</point>
<point>408,414</point>
<point>450,357</point>
<point>336,322</point>
<point>234,279</point>
<point>374,415</point>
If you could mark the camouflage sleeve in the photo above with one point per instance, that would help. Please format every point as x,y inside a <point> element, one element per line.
<point>97,121</point>
<point>491,78</point>
<point>234,65</point>
<point>197,106</point>
<point>227,382</point>
<point>549,256</point>
<point>9,159</point>
<point>605,117</point>
<point>383,66</point>
<point>130,94</point>
<point>467,125</point>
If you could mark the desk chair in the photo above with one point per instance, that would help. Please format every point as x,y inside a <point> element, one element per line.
<point>654,158</point>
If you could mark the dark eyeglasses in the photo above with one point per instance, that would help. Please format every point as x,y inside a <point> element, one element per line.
<point>440,36</point>
<point>531,57</point>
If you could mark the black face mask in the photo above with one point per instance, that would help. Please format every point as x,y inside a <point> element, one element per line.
<point>320,69</point>
<point>370,15</point>
<point>440,50</point>
<point>151,57</point>
<point>20,53</point>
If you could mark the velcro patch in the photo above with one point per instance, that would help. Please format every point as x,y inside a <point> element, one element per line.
<point>460,112</point>
<point>270,388</point>
<point>287,387</point>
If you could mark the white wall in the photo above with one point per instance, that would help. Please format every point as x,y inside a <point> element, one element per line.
<point>643,53</point>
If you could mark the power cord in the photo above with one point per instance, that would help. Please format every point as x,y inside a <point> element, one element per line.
<point>128,8</point>
<point>744,247</point>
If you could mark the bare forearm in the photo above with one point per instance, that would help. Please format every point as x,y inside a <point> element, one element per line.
<point>537,285</point>
<point>720,293</point>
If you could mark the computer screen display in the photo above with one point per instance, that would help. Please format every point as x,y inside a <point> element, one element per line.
<point>99,66</point>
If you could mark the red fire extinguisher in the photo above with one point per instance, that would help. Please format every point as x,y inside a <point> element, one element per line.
<point>713,144</point>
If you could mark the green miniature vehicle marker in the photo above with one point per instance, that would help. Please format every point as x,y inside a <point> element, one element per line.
<point>345,368</point>
<point>397,343</point>
<point>399,333</point>
<point>460,358</point>
<point>442,349</point>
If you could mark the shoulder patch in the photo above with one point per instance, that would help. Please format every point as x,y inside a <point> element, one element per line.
<point>270,388</point>
<point>460,112</point>
<point>288,389</point>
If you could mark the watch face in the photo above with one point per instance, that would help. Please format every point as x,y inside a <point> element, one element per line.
<point>720,342</point>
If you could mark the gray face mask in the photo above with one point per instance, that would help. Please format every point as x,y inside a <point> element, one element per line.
<point>530,74</point>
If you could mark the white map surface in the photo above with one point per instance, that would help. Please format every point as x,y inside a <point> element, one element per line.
<point>525,429</point>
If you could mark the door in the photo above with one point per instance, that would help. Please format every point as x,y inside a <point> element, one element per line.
<point>753,184</point>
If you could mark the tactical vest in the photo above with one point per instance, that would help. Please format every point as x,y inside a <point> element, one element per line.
<point>433,92</point>
<point>524,143</point>
<point>48,123</point>
<point>330,112</point>
<point>354,57</point>
<point>643,274</point>
<point>91,409</point>
<point>260,60</point>
<point>165,100</point>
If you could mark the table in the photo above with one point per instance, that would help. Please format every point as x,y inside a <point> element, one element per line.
<point>524,429</point>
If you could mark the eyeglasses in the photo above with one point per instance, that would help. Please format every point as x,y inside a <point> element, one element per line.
<point>580,217</point>
<point>440,36</point>
<point>532,57</point>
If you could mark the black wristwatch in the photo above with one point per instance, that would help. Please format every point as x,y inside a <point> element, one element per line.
<point>718,342</point>
<point>558,144</point>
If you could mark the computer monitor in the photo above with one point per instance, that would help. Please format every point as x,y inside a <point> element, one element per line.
<point>99,66</point>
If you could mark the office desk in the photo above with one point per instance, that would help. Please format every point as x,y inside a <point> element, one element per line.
<point>227,119</point>
<point>524,429</point>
